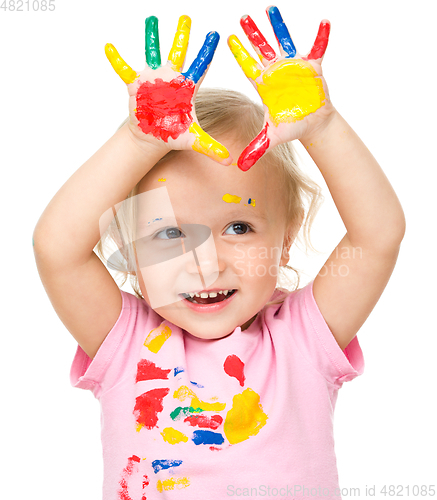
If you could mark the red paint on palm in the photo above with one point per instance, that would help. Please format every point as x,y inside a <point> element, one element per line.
<point>234,367</point>
<point>147,370</point>
<point>321,42</point>
<point>148,405</point>
<point>254,150</point>
<point>164,108</point>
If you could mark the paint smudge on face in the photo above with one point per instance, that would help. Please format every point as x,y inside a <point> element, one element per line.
<point>162,180</point>
<point>251,201</point>
<point>180,411</point>
<point>205,144</point>
<point>173,436</point>
<point>164,464</point>
<point>207,437</point>
<point>156,338</point>
<point>291,90</point>
<point>184,393</point>
<point>205,422</point>
<point>131,467</point>
<point>246,417</point>
<point>234,367</point>
<point>147,370</point>
<point>169,484</point>
<point>164,108</point>
<point>253,152</point>
<point>229,198</point>
<point>177,370</point>
<point>147,407</point>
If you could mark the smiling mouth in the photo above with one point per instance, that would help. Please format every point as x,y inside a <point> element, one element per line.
<point>198,299</point>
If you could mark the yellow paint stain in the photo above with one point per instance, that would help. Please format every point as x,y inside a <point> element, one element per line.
<point>162,180</point>
<point>291,90</point>
<point>230,198</point>
<point>123,70</point>
<point>245,418</point>
<point>178,50</point>
<point>139,427</point>
<point>156,338</point>
<point>170,483</point>
<point>244,59</point>
<point>185,392</point>
<point>205,144</point>
<point>173,436</point>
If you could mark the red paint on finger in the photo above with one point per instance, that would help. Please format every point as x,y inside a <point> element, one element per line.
<point>256,38</point>
<point>164,108</point>
<point>254,150</point>
<point>234,367</point>
<point>321,42</point>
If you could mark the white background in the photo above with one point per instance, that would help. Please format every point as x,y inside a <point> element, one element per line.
<point>60,100</point>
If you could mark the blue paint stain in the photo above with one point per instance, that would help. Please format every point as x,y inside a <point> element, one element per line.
<point>249,201</point>
<point>281,31</point>
<point>164,464</point>
<point>204,57</point>
<point>197,385</point>
<point>177,370</point>
<point>207,437</point>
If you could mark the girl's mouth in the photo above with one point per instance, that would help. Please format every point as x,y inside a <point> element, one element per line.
<point>204,298</point>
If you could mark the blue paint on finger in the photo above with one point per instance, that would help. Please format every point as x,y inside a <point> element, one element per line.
<point>281,31</point>
<point>204,57</point>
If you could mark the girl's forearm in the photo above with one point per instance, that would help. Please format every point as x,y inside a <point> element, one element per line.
<point>68,229</point>
<point>363,195</point>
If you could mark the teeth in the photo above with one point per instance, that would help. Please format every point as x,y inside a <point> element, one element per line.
<point>205,295</point>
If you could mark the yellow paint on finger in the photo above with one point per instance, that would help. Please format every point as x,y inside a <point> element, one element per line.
<point>173,436</point>
<point>205,144</point>
<point>245,418</point>
<point>123,70</point>
<point>291,90</point>
<point>230,198</point>
<point>180,44</point>
<point>244,59</point>
<point>185,392</point>
<point>170,483</point>
<point>156,338</point>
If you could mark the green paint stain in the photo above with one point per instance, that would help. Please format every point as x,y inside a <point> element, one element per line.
<point>186,411</point>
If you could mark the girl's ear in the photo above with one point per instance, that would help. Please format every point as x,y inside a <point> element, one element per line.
<point>289,237</point>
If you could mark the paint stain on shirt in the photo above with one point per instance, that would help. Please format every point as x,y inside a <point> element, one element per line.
<point>156,338</point>
<point>147,370</point>
<point>147,407</point>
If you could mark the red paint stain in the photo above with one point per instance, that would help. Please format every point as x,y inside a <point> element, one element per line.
<point>254,150</point>
<point>321,42</point>
<point>214,448</point>
<point>147,370</point>
<point>212,422</point>
<point>234,367</point>
<point>164,108</point>
<point>131,466</point>
<point>148,405</point>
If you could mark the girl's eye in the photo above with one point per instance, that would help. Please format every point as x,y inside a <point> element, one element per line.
<point>240,228</point>
<point>170,233</point>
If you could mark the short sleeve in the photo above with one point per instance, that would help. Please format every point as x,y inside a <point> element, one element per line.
<point>315,340</point>
<point>111,360</point>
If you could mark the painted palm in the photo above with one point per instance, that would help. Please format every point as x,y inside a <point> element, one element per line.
<point>161,98</point>
<point>291,86</point>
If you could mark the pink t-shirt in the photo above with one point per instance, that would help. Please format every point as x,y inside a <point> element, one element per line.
<point>250,414</point>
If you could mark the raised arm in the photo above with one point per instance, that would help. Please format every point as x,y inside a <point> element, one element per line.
<point>297,106</point>
<point>82,291</point>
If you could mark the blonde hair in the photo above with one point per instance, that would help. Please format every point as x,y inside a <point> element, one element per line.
<point>223,112</point>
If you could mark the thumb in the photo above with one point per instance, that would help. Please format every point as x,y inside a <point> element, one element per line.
<point>205,144</point>
<point>254,150</point>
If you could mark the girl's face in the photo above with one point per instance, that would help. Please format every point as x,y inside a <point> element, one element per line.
<point>212,228</point>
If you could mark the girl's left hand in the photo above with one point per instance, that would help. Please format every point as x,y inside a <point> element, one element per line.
<point>292,88</point>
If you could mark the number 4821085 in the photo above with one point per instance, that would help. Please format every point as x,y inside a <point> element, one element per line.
<point>22,6</point>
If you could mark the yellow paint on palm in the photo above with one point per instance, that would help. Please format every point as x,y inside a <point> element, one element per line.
<point>291,90</point>
<point>231,198</point>
<point>185,392</point>
<point>169,484</point>
<point>245,418</point>
<point>180,44</point>
<point>173,436</point>
<point>156,338</point>
<point>244,59</point>
<point>205,144</point>
<point>123,70</point>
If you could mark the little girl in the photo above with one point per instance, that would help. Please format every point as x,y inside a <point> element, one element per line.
<point>212,381</point>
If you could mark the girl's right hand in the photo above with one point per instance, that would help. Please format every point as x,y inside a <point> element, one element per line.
<point>161,98</point>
